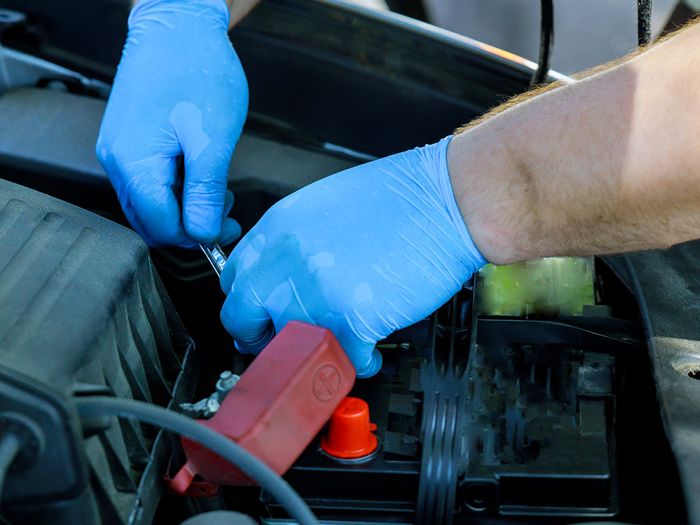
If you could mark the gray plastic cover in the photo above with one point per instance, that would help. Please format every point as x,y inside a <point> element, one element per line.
<point>667,286</point>
<point>82,310</point>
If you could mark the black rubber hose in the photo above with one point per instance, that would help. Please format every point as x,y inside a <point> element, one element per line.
<point>546,43</point>
<point>95,407</point>
<point>643,22</point>
<point>10,445</point>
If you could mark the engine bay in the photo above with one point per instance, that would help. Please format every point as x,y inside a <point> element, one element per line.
<point>481,415</point>
<point>521,417</point>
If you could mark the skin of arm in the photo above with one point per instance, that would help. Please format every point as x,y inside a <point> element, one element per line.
<point>239,9</point>
<point>608,164</point>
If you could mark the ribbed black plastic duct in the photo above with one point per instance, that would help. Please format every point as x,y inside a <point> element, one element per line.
<point>82,311</point>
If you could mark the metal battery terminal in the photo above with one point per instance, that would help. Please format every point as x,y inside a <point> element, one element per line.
<point>207,407</point>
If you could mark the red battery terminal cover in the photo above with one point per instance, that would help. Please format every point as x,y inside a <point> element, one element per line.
<point>350,434</point>
<point>277,407</point>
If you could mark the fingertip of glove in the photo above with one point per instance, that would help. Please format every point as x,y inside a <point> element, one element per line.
<point>241,349</point>
<point>256,348</point>
<point>230,231</point>
<point>228,202</point>
<point>228,275</point>
<point>204,226</point>
<point>101,152</point>
<point>373,367</point>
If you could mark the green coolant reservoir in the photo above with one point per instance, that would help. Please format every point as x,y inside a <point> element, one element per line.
<point>545,287</point>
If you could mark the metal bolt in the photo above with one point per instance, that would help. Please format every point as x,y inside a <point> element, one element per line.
<point>226,382</point>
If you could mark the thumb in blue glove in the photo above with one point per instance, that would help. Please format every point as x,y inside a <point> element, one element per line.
<point>180,92</point>
<point>364,252</point>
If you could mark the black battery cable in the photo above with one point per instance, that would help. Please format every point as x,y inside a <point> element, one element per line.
<point>546,43</point>
<point>91,408</point>
<point>643,22</point>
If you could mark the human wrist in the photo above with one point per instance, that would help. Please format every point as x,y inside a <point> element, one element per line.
<point>493,194</point>
<point>220,8</point>
<point>446,192</point>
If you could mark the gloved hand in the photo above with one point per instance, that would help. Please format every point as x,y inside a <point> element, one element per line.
<point>364,252</point>
<point>180,90</point>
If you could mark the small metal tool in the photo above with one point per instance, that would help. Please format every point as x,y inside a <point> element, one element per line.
<point>215,255</point>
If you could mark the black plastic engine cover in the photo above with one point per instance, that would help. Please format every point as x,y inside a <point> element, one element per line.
<point>82,311</point>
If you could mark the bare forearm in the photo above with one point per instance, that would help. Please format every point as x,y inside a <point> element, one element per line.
<point>239,9</point>
<point>606,165</point>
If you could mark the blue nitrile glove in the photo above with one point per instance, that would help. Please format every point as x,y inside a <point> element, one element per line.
<point>180,90</point>
<point>364,252</point>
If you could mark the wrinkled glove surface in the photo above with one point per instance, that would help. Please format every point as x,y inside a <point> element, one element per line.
<point>364,252</point>
<point>179,93</point>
